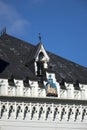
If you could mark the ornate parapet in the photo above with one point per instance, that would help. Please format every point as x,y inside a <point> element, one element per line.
<point>49,89</point>
<point>43,109</point>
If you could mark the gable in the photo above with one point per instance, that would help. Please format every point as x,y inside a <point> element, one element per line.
<point>40,50</point>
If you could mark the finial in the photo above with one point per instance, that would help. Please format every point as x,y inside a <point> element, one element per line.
<point>3,31</point>
<point>39,37</point>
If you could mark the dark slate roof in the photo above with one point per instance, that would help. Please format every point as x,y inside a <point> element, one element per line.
<point>16,57</point>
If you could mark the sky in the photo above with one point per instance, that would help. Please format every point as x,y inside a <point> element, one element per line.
<point>61,23</point>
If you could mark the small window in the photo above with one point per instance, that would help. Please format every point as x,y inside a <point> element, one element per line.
<point>41,55</point>
<point>11,80</point>
<point>26,82</point>
<point>40,68</point>
<point>62,84</point>
<point>40,83</point>
<point>76,85</point>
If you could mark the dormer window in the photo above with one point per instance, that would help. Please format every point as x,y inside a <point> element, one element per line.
<point>40,68</point>
<point>40,57</point>
<point>41,61</point>
<point>40,65</point>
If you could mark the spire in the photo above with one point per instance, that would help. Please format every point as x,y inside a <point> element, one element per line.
<point>39,36</point>
<point>3,31</point>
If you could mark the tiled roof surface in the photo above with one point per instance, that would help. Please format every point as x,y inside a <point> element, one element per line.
<point>16,57</point>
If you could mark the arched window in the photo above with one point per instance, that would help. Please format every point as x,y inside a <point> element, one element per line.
<point>40,65</point>
<point>41,55</point>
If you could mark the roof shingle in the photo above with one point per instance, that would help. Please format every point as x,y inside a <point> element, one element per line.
<point>16,57</point>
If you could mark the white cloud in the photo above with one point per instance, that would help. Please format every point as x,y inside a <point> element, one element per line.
<point>10,18</point>
<point>18,26</point>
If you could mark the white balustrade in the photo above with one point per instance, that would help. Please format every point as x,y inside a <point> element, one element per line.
<point>35,91</point>
<point>39,111</point>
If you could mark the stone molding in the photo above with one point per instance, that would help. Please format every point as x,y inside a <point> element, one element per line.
<point>42,111</point>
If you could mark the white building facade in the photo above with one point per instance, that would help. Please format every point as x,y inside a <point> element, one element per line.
<point>23,108</point>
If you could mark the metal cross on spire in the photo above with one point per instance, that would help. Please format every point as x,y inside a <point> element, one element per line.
<point>39,37</point>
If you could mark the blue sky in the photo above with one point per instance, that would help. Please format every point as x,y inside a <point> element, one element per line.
<point>62,24</point>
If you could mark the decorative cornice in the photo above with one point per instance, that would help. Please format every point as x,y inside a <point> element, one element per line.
<point>43,100</point>
<point>42,111</point>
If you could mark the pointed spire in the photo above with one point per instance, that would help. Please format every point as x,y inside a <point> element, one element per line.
<point>3,31</point>
<point>39,36</point>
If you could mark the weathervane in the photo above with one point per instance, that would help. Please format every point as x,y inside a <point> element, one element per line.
<point>39,37</point>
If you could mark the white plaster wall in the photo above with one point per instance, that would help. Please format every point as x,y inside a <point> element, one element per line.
<point>39,125</point>
<point>46,120</point>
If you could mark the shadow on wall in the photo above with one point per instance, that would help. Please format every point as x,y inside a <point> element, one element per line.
<point>3,65</point>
